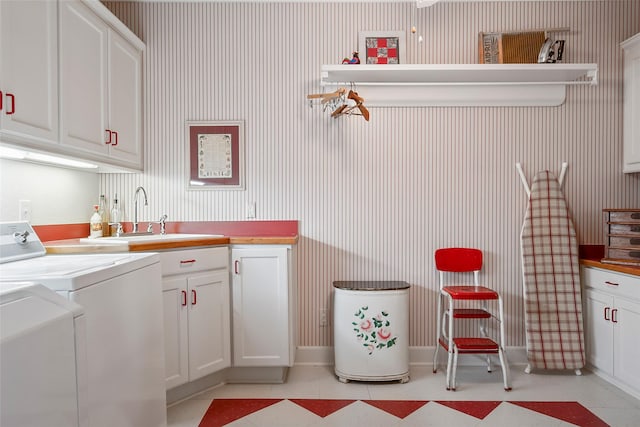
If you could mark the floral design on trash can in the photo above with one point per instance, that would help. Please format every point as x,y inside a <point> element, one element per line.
<point>373,332</point>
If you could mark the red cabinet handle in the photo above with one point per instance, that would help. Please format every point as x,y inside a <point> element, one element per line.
<point>236,264</point>
<point>606,313</point>
<point>1,99</point>
<point>613,315</point>
<point>611,283</point>
<point>116,140</point>
<point>187,261</point>
<point>108,141</point>
<point>194,297</point>
<point>13,104</point>
<point>184,297</point>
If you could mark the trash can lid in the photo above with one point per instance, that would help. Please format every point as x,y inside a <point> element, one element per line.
<point>370,285</point>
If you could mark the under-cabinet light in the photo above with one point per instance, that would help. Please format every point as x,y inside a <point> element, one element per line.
<point>15,154</point>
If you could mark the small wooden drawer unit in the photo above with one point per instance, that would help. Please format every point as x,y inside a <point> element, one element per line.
<point>622,236</point>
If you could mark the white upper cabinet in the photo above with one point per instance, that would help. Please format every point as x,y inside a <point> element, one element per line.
<point>29,72</point>
<point>71,82</point>
<point>101,88</point>
<point>631,104</point>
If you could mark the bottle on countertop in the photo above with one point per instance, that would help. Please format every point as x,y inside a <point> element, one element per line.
<point>115,211</point>
<point>104,215</point>
<point>95,223</point>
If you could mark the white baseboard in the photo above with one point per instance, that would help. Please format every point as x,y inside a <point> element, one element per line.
<point>418,356</point>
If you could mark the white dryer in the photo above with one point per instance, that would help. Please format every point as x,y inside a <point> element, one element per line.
<point>121,295</point>
<point>42,358</point>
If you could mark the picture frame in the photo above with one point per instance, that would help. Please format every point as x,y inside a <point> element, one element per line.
<point>215,155</point>
<point>382,47</point>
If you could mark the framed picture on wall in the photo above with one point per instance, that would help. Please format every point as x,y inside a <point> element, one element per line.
<point>216,155</point>
<point>382,47</point>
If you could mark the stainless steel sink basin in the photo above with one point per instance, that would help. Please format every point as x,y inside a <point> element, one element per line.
<point>150,238</point>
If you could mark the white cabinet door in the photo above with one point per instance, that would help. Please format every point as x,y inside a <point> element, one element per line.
<point>260,294</point>
<point>176,339</point>
<point>599,330</point>
<point>209,323</point>
<point>125,100</point>
<point>197,326</point>
<point>83,85</point>
<point>632,104</point>
<point>29,72</point>
<point>626,320</point>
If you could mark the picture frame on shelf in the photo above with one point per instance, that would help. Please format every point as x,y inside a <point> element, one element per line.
<point>215,155</point>
<point>382,47</point>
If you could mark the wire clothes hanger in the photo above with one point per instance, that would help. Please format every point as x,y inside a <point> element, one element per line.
<point>341,105</point>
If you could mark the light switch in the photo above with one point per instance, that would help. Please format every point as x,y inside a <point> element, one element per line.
<point>251,210</point>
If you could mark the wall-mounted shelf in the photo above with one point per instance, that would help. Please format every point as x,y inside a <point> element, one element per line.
<point>432,85</point>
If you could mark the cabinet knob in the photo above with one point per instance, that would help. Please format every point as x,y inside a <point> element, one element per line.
<point>184,297</point>
<point>606,313</point>
<point>236,265</point>
<point>115,142</point>
<point>611,283</point>
<point>1,99</point>
<point>194,297</point>
<point>614,318</point>
<point>108,141</point>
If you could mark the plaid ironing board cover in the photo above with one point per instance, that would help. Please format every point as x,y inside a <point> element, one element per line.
<point>553,302</point>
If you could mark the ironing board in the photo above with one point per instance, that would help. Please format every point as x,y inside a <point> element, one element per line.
<point>553,303</point>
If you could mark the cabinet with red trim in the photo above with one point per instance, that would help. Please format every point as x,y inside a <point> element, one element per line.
<point>100,88</point>
<point>29,72</point>
<point>612,326</point>
<point>197,321</point>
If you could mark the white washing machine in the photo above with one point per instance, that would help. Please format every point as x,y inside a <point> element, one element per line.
<point>371,330</point>
<point>42,358</point>
<point>121,295</point>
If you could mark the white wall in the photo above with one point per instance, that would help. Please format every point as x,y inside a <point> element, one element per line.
<point>375,199</point>
<point>57,195</point>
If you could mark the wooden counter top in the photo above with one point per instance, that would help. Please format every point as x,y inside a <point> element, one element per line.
<point>613,267</point>
<point>71,246</point>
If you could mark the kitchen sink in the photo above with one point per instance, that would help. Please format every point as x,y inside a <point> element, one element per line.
<point>150,238</point>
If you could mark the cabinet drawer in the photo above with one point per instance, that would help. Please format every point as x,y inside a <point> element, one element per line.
<point>614,283</point>
<point>192,260</point>
<point>624,229</point>
<point>624,216</point>
<point>624,242</point>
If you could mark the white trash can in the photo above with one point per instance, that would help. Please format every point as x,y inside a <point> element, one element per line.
<point>371,330</point>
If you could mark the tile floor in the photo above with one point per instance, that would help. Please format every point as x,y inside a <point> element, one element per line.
<point>605,401</point>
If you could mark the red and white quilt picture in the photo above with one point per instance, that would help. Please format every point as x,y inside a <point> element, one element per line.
<point>382,50</point>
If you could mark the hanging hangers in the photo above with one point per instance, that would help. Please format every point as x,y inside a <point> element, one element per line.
<point>340,104</point>
<point>327,97</point>
<point>346,109</point>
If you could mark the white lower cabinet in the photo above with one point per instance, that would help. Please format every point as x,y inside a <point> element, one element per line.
<point>264,305</point>
<point>612,326</point>
<point>196,313</point>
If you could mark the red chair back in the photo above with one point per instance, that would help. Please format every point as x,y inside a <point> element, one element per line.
<point>458,260</point>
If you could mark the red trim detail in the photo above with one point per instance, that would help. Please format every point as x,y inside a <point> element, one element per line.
<point>284,228</point>
<point>475,345</point>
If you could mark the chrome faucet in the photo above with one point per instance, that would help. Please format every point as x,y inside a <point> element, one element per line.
<point>135,206</point>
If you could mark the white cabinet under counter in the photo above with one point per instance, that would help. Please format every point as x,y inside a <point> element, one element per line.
<point>264,299</point>
<point>196,313</point>
<point>612,326</point>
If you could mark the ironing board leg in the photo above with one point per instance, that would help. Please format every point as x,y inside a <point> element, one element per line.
<point>455,367</point>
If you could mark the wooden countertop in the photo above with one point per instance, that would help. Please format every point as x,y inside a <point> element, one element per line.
<point>613,267</point>
<point>70,246</point>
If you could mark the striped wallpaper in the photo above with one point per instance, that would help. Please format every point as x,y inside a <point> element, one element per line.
<point>375,199</point>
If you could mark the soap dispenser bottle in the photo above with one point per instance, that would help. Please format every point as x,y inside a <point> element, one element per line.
<point>95,223</point>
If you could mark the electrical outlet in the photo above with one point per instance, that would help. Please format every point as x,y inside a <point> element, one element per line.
<point>251,210</point>
<point>323,317</point>
<point>24,210</point>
